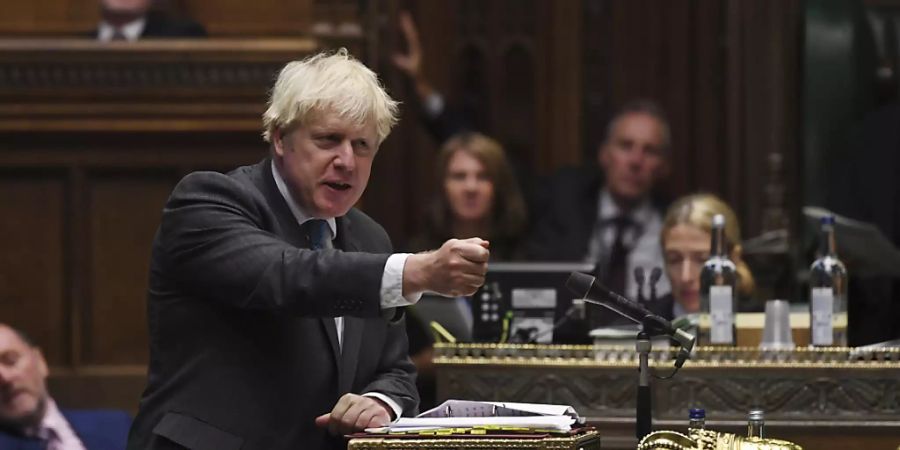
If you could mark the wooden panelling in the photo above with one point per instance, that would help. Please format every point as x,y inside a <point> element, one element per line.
<point>559,107</point>
<point>116,387</point>
<point>44,17</point>
<point>32,263</point>
<point>763,103</point>
<point>221,17</point>
<point>253,18</point>
<point>123,210</point>
<point>221,85</point>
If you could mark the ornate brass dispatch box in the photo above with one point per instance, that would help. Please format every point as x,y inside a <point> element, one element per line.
<point>710,440</point>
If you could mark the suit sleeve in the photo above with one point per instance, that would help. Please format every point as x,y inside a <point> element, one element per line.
<point>213,237</point>
<point>396,376</point>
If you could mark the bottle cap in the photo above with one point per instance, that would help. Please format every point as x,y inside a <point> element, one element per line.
<point>697,413</point>
<point>718,220</point>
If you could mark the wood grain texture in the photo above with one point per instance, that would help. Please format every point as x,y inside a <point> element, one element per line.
<point>33,270</point>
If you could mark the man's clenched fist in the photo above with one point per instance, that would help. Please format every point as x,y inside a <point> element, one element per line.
<point>455,269</point>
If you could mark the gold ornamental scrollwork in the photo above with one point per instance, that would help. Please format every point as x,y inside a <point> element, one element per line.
<point>531,355</point>
<point>699,439</point>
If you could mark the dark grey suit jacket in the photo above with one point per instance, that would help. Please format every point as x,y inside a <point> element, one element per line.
<point>243,345</point>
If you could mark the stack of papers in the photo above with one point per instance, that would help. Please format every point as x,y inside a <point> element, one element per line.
<point>494,416</point>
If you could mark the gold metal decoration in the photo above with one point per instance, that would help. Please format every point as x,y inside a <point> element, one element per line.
<point>610,356</point>
<point>587,440</point>
<point>710,440</point>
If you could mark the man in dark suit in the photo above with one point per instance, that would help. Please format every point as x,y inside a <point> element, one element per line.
<point>30,419</point>
<point>608,216</point>
<point>272,303</point>
<point>130,20</point>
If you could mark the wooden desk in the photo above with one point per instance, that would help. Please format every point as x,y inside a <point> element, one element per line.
<point>818,399</point>
<point>589,440</point>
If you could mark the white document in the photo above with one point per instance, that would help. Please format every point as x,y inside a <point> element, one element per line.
<point>555,423</point>
<point>471,408</point>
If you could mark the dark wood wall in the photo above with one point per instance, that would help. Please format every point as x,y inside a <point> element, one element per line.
<point>86,163</point>
<point>221,17</point>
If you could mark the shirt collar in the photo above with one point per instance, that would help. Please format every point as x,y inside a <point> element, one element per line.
<point>132,30</point>
<point>609,209</point>
<point>296,210</point>
<point>51,421</point>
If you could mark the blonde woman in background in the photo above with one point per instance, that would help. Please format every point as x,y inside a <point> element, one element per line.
<point>686,235</point>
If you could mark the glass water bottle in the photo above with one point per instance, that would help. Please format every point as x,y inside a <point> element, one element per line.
<point>718,291</point>
<point>828,292</point>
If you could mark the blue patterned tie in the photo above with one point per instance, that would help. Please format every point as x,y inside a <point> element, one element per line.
<point>319,234</point>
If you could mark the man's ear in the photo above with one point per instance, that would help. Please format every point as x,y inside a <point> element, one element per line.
<point>602,155</point>
<point>278,142</point>
<point>41,362</point>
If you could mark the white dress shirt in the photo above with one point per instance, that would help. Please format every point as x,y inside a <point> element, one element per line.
<point>131,30</point>
<point>391,279</point>
<point>55,430</point>
<point>642,237</point>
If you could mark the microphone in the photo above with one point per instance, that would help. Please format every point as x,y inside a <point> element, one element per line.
<point>639,280</point>
<point>655,275</point>
<point>587,287</point>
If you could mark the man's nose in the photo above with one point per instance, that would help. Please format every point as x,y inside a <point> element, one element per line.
<point>637,157</point>
<point>345,158</point>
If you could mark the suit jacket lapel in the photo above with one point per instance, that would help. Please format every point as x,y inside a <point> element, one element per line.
<point>290,229</point>
<point>293,234</point>
<point>353,326</point>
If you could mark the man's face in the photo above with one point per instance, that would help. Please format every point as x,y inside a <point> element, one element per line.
<point>23,393</point>
<point>632,156</point>
<point>326,163</point>
<point>126,6</point>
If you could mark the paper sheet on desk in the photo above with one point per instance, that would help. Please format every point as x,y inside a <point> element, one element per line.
<point>471,408</point>
<point>405,424</point>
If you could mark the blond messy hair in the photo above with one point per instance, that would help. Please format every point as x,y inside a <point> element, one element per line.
<point>329,82</point>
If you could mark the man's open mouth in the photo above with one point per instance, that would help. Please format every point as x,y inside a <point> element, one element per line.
<point>337,186</point>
